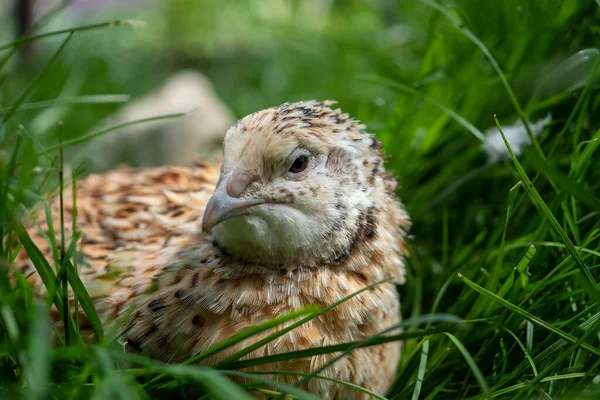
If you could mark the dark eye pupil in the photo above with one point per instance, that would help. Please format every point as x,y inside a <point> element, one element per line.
<point>299,164</point>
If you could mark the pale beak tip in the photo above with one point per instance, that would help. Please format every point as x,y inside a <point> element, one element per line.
<point>207,225</point>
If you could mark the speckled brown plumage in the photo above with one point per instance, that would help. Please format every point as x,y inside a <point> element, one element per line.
<point>320,235</point>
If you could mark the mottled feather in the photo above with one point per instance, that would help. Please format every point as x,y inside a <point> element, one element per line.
<point>175,290</point>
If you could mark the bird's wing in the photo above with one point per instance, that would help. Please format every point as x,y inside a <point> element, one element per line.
<point>133,224</point>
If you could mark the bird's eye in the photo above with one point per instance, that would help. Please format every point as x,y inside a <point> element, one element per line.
<point>299,164</point>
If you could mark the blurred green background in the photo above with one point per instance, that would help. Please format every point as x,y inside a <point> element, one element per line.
<point>403,68</point>
<point>262,53</point>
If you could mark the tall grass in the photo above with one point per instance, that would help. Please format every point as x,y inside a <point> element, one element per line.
<point>508,251</point>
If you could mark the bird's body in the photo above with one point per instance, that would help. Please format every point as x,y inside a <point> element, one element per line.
<point>284,233</point>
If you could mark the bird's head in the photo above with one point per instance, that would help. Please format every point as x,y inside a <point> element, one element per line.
<point>300,184</point>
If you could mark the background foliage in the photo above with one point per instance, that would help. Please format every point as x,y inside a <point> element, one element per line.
<point>407,69</point>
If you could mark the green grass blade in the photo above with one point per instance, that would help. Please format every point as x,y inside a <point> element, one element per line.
<point>42,267</point>
<point>283,388</point>
<point>522,346</point>
<point>556,346</point>
<point>556,362</point>
<point>293,326</point>
<point>39,261</point>
<point>528,316</point>
<point>247,333</point>
<point>326,378</point>
<point>472,364</point>
<point>74,241</point>
<point>38,371</point>
<point>473,38</point>
<point>293,355</point>
<point>35,80</point>
<point>10,322</point>
<point>421,370</point>
<point>512,195</point>
<point>252,332</point>
<point>514,388</point>
<point>84,299</point>
<point>411,322</point>
<point>541,205</point>
<point>520,268</point>
<point>201,375</point>
<point>52,235</point>
<point>580,99</point>
<point>84,138</point>
<point>61,273</point>
<point>414,92</point>
<point>26,293</point>
<point>124,22</point>
<point>111,384</point>
<point>214,382</point>
<point>581,163</point>
<point>71,100</point>
<point>6,175</point>
<point>564,182</point>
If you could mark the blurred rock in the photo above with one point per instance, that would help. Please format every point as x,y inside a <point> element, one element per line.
<point>199,134</point>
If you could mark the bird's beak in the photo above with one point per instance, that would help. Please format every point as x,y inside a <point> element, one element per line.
<point>225,202</point>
